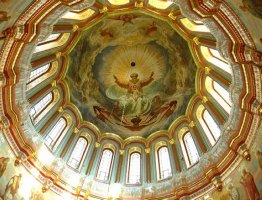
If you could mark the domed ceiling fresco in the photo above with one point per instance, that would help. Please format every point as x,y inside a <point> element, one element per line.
<point>131,74</point>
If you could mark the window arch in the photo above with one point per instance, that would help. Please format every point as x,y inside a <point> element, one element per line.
<point>105,165</point>
<point>214,57</point>
<point>134,168</point>
<point>36,112</point>
<point>50,38</point>
<point>40,74</point>
<point>220,94</point>
<point>53,136</point>
<point>61,40</point>
<point>210,127</point>
<point>189,149</point>
<point>163,163</point>
<point>77,155</point>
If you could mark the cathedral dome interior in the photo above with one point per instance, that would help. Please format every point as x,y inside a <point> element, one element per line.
<point>130,99</point>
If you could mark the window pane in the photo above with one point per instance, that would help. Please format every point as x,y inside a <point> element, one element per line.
<point>134,168</point>
<point>53,135</point>
<point>223,93</point>
<point>191,148</point>
<point>51,37</point>
<point>219,93</point>
<point>212,125</point>
<point>104,166</point>
<point>38,72</point>
<point>164,163</point>
<point>214,57</point>
<point>36,111</point>
<point>77,154</point>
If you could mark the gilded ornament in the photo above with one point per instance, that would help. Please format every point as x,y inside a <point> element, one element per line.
<point>97,145</point>
<point>192,124</point>
<point>196,40</point>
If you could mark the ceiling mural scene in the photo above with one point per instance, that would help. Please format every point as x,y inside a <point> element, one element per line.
<point>130,99</point>
<point>131,74</point>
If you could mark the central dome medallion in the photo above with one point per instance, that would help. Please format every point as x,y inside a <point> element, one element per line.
<point>131,74</point>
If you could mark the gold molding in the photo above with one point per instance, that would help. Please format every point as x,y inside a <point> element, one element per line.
<point>172,141</point>
<point>121,151</point>
<point>192,124</point>
<point>205,99</point>
<point>97,144</point>
<point>76,130</point>
<point>196,40</point>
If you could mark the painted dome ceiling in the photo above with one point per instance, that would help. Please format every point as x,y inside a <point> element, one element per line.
<point>131,74</point>
<point>91,88</point>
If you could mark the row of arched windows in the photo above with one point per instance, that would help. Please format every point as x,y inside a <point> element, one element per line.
<point>187,143</point>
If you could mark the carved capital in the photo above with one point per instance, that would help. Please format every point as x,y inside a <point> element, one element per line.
<point>244,152</point>
<point>172,141</point>
<point>103,10</point>
<point>139,3</point>
<point>172,15</point>
<point>253,56</point>
<point>205,99</point>
<point>4,123</point>
<point>121,151</point>
<point>97,144</point>
<point>147,150</point>
<point>60,109</point>
<point>76,130</point>
<point>192,124</point>
<point>217,183</point>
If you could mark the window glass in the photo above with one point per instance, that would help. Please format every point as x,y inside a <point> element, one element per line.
<point>214,57</point>
<point>164,163</point>
<point>191,149</point>
<point>54,134</point>
<point>212,125</point>
<point>105,165</point>
<point>36,111</point>
<point>38,72</point>
<point>77,154</point>
<point>134,168</point>
<point>219,93</point>
<point>50,38</point>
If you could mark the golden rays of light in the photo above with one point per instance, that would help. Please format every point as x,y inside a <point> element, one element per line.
<point>118,61</point>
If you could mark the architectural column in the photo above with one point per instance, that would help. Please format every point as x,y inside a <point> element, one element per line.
<point>69,142</point>
<point>210,106</point>
<point>92,158</point>
<point>148,169</point>
<point>193,130</point>
<point>172,142</point>
<point>120,161</point>
<point>50,121</point>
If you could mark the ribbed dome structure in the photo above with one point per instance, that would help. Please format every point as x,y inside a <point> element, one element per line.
<point>119,99</point>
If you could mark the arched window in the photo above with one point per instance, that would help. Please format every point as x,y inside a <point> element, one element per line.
<point>211,128</point>
<point>36,111</point>
<point>50,38</point>
<point>164,163</point>
<point>78,153</point>
<point>189,150</point>
<point>134,168</point>
<point>105,165</point>
<point>220,94</point>
<point>52,137</point>
<point>214,57</point>
<point>38,72</point>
